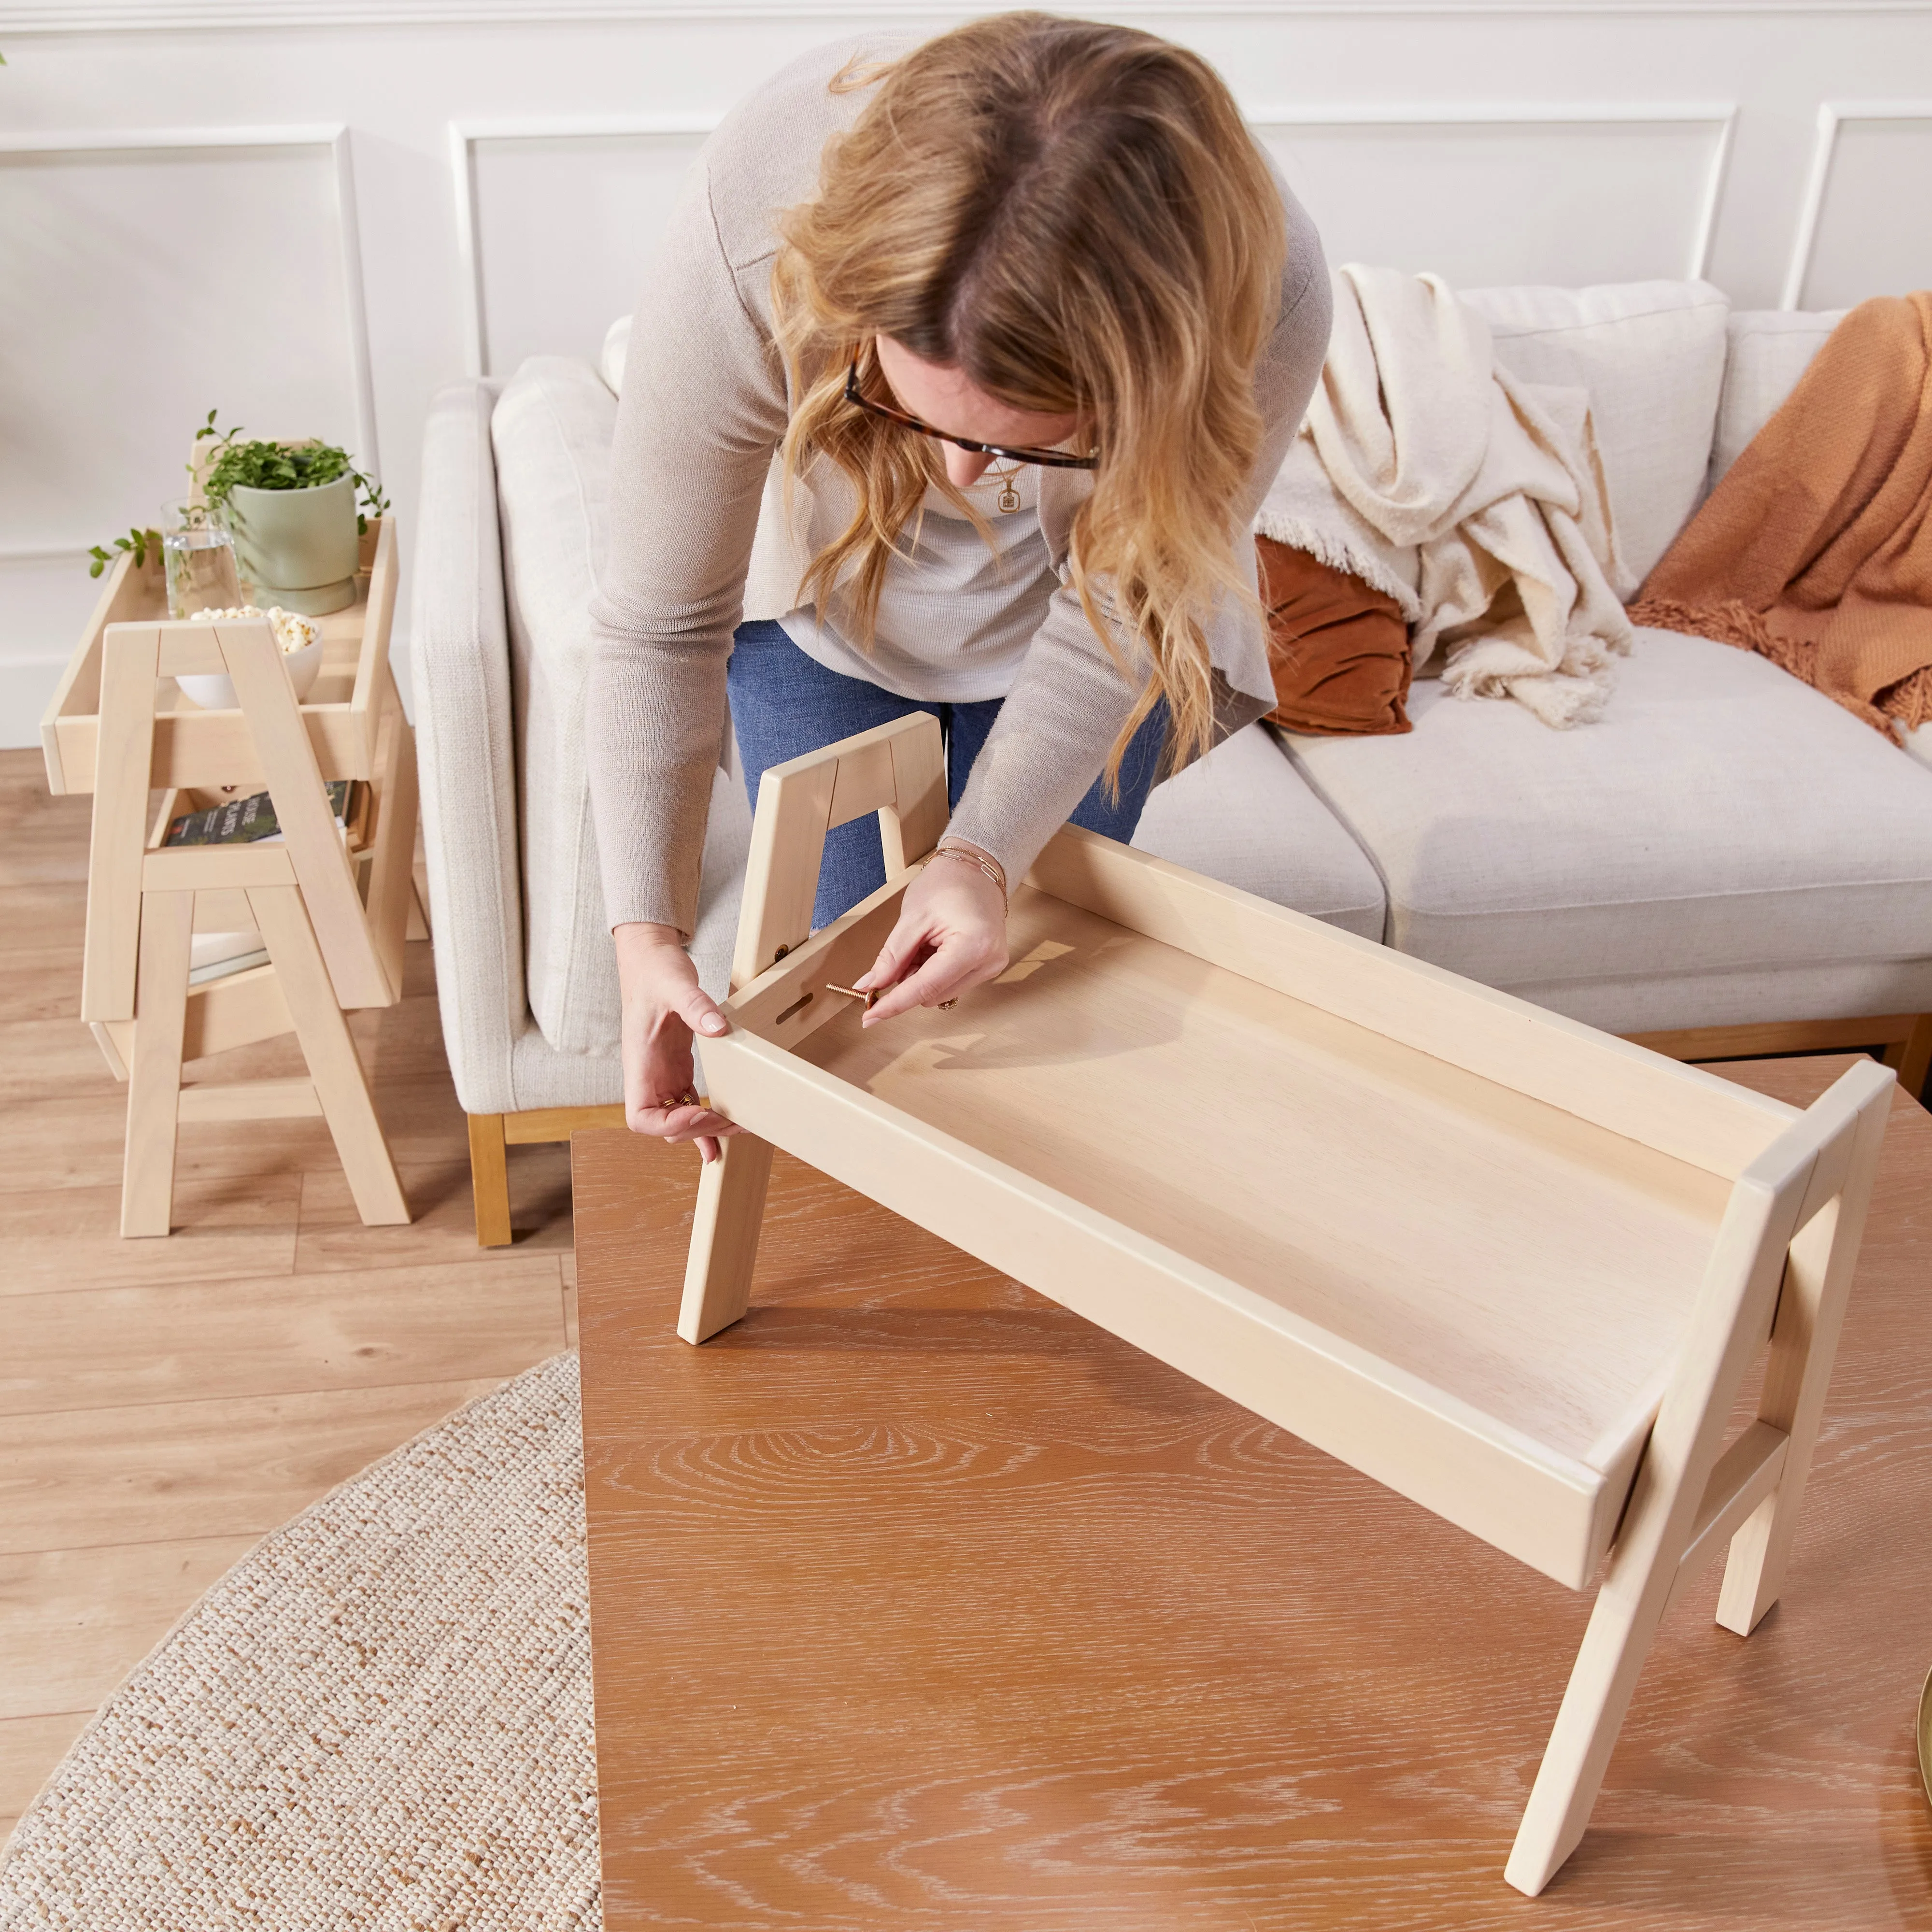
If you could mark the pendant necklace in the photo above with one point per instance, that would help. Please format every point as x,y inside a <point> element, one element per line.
<point>1008,498</point>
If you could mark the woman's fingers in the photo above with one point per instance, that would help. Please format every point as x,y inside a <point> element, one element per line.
<point>663,1006</point>
<point>951,933</point>
<point>700,1012</point>
<point>905,940</point>
<point>683,1121</point>
<point>962,962</point>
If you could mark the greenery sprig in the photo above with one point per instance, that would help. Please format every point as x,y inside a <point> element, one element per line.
<point>141,542</point>
<point>257,465</point>
<point>254,465</point>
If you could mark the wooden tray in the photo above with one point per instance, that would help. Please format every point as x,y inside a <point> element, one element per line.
<point>1321,1178</point>
<point>344,711</point>
<point>1511,1267</point>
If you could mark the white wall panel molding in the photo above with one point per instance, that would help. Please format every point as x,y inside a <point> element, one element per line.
<point>1692,183</point>
<point>507,181</point>
<point>333,136</point>
<point>70,17</point>
<point>467,136</point>
<point>1834,118</point>
<point>152,270</point>
<point>42,553</point>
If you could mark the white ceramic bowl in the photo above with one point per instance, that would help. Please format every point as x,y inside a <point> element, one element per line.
<point>215,691</point>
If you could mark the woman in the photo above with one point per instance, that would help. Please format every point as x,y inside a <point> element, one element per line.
<point>1031,321</point>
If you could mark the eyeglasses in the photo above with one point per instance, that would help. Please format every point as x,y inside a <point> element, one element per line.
<point>1049,459</point>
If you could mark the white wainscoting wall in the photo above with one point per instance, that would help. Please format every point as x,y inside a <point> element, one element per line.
<point>310,215</point>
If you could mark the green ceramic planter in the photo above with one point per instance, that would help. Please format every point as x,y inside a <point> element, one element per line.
<point>298,547</point>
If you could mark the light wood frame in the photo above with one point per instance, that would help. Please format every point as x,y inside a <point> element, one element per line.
<point>343,716</point>
<point>897,771</point>
<point>1789,1190</point>
<point>334,924</point>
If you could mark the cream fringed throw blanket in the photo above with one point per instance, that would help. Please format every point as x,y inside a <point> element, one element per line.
<point>1815,549</point>
<point>1472,499</point>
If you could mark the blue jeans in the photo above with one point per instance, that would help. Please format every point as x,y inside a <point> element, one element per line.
<point>785,704</point>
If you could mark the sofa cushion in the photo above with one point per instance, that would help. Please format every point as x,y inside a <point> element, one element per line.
<point>1769,350</point>
<point>551,431</point>
<point>551,434</point>
<point>1242,815</point>
<point>1721,817</point>
<point>1651,355</point>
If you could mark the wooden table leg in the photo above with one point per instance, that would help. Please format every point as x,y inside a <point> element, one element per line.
<point>340,1084</point>
<point>725,1237</point>
<point>154,1078</point>
<point>1803,1345</point>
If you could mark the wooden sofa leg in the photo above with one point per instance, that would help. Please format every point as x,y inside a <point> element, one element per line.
<point>1911,1058</point>
<point>490,1180</point>
<point>725,1237</point>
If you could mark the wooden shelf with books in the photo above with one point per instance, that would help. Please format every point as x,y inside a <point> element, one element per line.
<point>184,887</point>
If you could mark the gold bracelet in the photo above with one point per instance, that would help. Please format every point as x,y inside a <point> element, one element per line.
<point>980,862</point>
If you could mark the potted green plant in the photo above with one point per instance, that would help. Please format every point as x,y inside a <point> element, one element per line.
<point>292,508</point>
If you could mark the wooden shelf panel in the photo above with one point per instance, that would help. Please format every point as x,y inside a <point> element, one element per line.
<point>197,748</point>
<point>1520,1258</point>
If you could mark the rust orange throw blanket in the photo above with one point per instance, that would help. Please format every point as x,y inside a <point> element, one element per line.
<point>1815,550</point>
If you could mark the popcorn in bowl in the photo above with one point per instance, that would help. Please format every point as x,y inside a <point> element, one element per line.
<point>293,632</point>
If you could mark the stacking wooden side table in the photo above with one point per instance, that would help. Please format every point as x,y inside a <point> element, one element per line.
<point>332,923</point>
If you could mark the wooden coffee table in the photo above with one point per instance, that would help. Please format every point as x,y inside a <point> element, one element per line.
<point>918,1601</point>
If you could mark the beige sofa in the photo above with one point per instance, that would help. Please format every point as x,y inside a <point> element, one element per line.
<point>1726,862</point>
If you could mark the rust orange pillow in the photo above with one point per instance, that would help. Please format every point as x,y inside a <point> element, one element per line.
<point>1338,649</point>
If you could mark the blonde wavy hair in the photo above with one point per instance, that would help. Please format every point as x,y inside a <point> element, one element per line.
<point>1073,214</point>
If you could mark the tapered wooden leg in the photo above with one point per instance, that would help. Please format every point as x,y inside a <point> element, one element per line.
<point>490,1180</point>
<point>1733,1311</point>
<point>341,1085</point>
<point>1628,1609</point>
<point>154,1077</point>
<point>1803,1344</point>
<point>725,1237</point>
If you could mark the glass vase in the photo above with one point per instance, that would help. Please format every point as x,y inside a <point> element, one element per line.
<point>198,550</point>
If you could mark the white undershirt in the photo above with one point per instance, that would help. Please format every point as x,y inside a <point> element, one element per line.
<point>955,613</point>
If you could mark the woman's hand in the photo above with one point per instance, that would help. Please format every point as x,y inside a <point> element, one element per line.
<point>663,1004</point>
<point>951,934</point>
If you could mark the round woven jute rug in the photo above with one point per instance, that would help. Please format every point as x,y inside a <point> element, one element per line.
<point>381,1717</point>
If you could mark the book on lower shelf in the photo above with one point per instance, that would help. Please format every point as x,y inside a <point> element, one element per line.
<point>252,821</point>
<point>215,956</point>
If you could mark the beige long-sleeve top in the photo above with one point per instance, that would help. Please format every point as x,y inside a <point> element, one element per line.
<point>705,405</point>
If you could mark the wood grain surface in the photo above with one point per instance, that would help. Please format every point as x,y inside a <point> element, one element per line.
<point>163,1403</point>
<point>1525,1261</point>
<point>919,1602</point>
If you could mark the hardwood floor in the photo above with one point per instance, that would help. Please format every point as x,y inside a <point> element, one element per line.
<point>920,1602</point>
<point>164,1403</point>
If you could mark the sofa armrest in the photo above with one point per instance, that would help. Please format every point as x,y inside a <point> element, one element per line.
<point>460,670</point>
